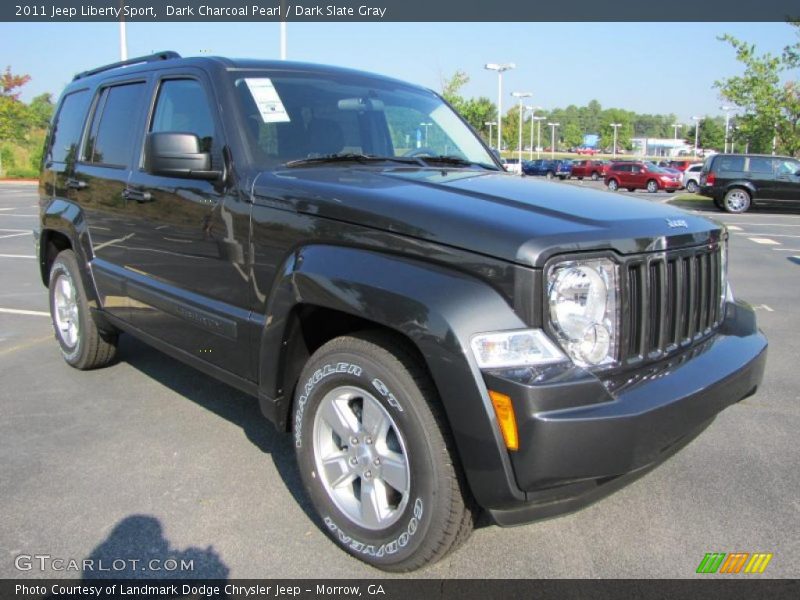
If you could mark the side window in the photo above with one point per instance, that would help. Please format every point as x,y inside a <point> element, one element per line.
<point>761,165</point>
<point>729,163</point>
<point>788,167</point>
<point>182,106</point>
<point>113,125</point>
<point>67,127</point>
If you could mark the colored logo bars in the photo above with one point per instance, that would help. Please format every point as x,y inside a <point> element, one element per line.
<point>716,562</point>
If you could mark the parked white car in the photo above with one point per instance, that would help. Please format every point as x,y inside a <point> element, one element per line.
<point>691,177</point>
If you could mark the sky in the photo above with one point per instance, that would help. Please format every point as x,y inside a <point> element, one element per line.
<point>656,68</point>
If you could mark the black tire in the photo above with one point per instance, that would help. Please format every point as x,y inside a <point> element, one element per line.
<point>736,201</point>
<point>595,175</point>
<point>652,186</point>
<point>691,186</point>
<point>613,185</point>
<point>436,514</point>
<point>90,348</point>
<point>631,189</point>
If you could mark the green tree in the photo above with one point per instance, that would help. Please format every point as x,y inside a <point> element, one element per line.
<point>475,111</point>
<point>41,110</point>
<point>769,101</point>
<point>571,134</point>
<point>711,135</point>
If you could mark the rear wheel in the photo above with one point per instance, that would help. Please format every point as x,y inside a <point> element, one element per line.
<point>613,185</point>
<point>736,201</point>
<point>375,454</point>
<point>691,186</point>
<point>652,186</point>
<point>82,345</point>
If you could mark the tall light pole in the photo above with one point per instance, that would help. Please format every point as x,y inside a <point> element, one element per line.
<point>676,126</point>
<point>727,110</point>
<point>553,139</point>
<point>123,35</point>
<point>538,135</point>
<point>490,124</point>
<point>500,68</point>
<point>696,131</point>
<point>532,110</point>
<point>614,150</point>
<point>426,125</point>
<point>520,96</point>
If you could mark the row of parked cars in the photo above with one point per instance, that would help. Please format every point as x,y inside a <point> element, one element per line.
<point>734,181</point>
<point>627,174</point>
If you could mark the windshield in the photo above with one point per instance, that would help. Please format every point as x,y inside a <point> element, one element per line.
<point>299,116</point>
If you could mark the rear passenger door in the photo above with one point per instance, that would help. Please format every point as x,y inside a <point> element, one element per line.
<point>787,180</point>
<point>99,181</point>
<point>761,172</point>
<point>190,282</point>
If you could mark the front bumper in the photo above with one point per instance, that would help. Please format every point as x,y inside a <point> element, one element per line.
<point>582,438</point>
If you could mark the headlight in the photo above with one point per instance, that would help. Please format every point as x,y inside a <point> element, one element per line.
<point>523,348</point>
<point>583,309</point>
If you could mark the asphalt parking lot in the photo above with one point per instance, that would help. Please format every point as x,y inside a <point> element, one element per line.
<point>150,459</point>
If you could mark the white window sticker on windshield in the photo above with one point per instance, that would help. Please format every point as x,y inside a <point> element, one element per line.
<point>267,99</point>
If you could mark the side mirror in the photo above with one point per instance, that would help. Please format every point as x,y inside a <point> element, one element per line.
<point>172,154</point>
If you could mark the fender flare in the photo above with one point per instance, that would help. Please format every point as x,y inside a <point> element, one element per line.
<point>423,302</point>
<point>68,219</point>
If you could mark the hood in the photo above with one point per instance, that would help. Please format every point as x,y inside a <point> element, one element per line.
<point>521,220</point>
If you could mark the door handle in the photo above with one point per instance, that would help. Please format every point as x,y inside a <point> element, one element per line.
<point>76,184</point>
<point>137,195</point>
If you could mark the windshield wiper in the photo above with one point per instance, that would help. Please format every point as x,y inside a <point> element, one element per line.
<point>457,160</point>
<point>353,157</point>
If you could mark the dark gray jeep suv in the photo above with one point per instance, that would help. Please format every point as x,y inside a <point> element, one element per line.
<point>439,336</point>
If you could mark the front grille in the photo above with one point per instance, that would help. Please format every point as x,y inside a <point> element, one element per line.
<point>670,300</point>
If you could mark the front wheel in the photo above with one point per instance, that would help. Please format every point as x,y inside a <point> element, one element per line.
<point>82,345</point>
<point>691,186</point>
<point>652,186</point>
<point>613,185</point>
<point>595,176</point>
<point>736,201</point>
<point>375,454</point>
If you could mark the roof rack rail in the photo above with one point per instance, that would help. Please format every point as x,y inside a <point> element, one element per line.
<point>167,55</point>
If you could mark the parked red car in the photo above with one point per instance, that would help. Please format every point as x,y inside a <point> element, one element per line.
<point>594,169</point>
<point>681,165</point>
<point>641,176</point>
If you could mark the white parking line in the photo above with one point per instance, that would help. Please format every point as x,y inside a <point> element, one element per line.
<point>111,242</point>
<point>10,215</point>
<point>763,241</point>
<point>780,235</point>
<point>7,208</point>
<point>769,224</point>
<point>786,249</point>
<point>10,235</point>
<point>16,230</point>
<point>33,313</point>
<point>763,307</point>
<point>734,228</point>
<point>17,256</point>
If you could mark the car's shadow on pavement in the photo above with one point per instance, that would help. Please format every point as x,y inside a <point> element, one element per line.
<point>225,401</point>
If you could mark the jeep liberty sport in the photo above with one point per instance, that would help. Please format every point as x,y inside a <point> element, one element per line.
<point>440,337</point>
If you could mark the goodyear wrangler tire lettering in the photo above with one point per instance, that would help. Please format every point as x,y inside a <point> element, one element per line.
<point>374,454</point>
<point>318,375</point>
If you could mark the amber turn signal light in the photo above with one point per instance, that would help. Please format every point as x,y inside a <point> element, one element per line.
<point>504,410</point>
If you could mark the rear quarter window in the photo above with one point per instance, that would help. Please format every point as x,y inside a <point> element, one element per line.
<point>67,126</point>
<point>729,163</point>
<point>761,165</point>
